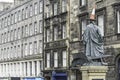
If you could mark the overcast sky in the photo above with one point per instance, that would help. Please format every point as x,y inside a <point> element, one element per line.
<point>6,0</point>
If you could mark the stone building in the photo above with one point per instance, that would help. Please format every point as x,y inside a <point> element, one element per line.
<point>62,55</point>
<point>56,38</point>
<point>21,40</point>
<point>107,17</point>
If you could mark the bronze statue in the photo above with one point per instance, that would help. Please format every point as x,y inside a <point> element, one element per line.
<point>93,41</point>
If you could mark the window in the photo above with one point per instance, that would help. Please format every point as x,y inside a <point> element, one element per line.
<point>35,47</point>
<point>8,53</point>
<point>118,21</point>
<point>12,34</point>
<point>35,27</point>
<point>40,46</point>
<point>15,53</point>
<point>101,23</point>
<point>2,23</point>
<point>12,18</point>
<point>82,2</point>
<point>26,49</point>
<point>48,35</point>
<point>5,37</point>
<point>40,26</point>
<point>19,33</point>
<point>2,38</point>
<point>15,34</point>
<point>83,25</point>
<point>23,31</point>
<point>55,8</point>
<point>64,58</point>
<point>8,36</point>
<point>41,6</point>
<point>48,60</point>
<point>64,31</point>
<point>55,59</point>
<point>35,8</point>
<point>26,30</point>
<point>31,10</point>
<point>31,49</point>
<point>64,5</point>
<point>48,11</point>
<point>26,12</point>
<point>9,20</point>
<point>23,14</point>
<point>55,33</point>
<point>31,29</point>
<point>5,21</point>
<point>19,15</point>
<point>15,17</point>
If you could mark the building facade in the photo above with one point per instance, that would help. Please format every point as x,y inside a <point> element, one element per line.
<point>21,40</point>
<point>56,41</point>
<point>46,35</point>
<point>107,18</point>
<point>57,48</point>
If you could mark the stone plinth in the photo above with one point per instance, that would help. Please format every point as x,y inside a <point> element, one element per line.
<point>94,72</point>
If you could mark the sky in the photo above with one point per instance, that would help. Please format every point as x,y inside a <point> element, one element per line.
<point>6,0</point>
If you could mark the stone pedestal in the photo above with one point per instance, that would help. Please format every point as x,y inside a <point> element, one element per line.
<point>94,72</point>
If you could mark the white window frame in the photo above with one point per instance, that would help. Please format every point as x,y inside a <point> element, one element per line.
<point>23,14</point>
<point>35,47</point>
<point>48,35</point>
<point>31,10</point>
<point>19,15</point>
<point>48,10</point>
<point>64,31</point>
<point>35,27</point>
<point>35,8</point>
<point>55,33</point>
<point>55,59</point>
<point>118,21</point>
<point>26,49</point>
<point>64,58</point>
<point>31,48</point>
<point>16,16</point>
<point>41,6</point>
<point>40,26</point>
<point>64,5</point>
<point>26,12</point>
<point>55,8</point>
<point>48,60</point>
<point>40,46</point>
<point>83,25</point>
<point>30,29</point>
<point>101,25</point>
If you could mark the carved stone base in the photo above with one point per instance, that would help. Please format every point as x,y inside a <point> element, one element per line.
<point>94,72</point>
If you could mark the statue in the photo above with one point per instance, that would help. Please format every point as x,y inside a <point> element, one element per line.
<point>93,41</point>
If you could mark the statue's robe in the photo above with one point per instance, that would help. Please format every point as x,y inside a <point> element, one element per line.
<point>93,41</point>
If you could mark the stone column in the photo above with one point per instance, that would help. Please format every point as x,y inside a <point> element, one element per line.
<point>33,68</point>
<point>24,71</point>
<point>28,68</point>
<point>21,69</point>
<point>38,67</point>
<point>7,69</point>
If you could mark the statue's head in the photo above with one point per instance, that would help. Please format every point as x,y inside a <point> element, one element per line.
<point>92,15</point>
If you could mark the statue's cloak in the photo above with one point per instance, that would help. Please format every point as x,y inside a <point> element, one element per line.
<point>93,41</point>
